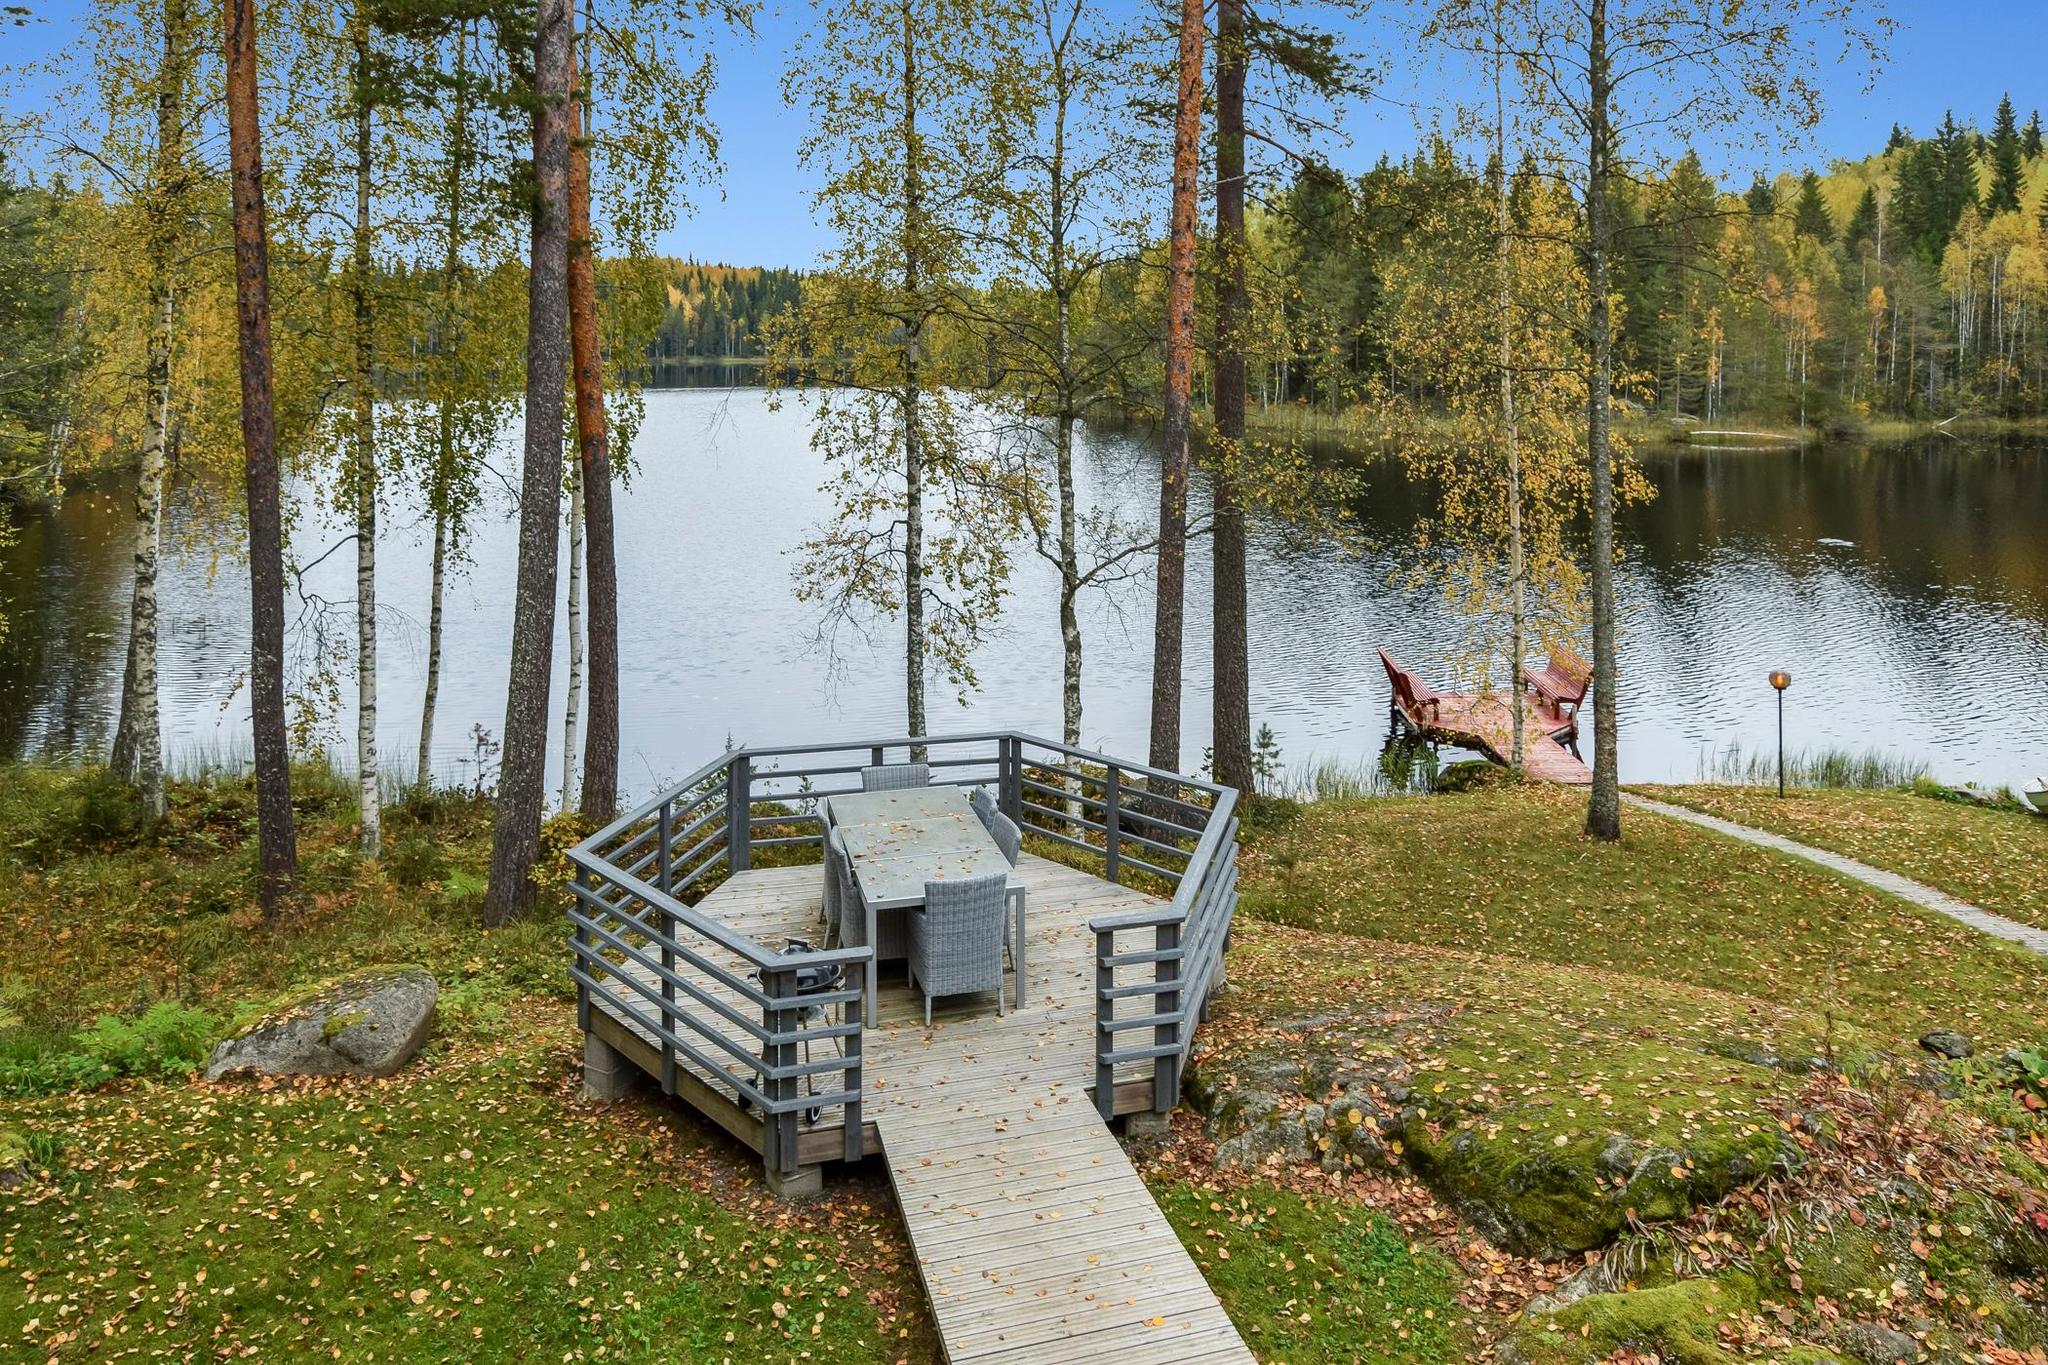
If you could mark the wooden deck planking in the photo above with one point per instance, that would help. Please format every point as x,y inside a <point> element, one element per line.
<point>1036,1239</point>
<point>1483,721</point>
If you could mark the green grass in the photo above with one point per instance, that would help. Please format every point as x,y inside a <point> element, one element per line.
<point>468,1210</point>
<point>1867,768</point>
<point>1993,858</point>
<point>1509,873</point>
<point>1318,1282</point>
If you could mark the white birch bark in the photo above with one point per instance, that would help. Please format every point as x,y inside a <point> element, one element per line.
<point>573,708</point>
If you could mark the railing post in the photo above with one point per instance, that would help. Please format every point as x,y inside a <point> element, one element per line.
<point>1166,1070</point>
<point>1105,1014</point>
<point>850,1013</point>
<point>583,910</point>
<point>739,811</point>
<point>666,835</point>
<point>1112,832</point>
<point>1010,777</point>
<point>666,918</point>
<point>778,1130</point>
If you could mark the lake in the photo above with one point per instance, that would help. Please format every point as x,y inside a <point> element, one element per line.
<point>1905,587</point>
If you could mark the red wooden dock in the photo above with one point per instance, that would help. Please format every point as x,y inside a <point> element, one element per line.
<point>1483,721</point>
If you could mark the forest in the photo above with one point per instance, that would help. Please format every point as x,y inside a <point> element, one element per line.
<point>338,252</point>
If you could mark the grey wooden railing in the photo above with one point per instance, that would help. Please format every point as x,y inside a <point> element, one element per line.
<point>637,879</point>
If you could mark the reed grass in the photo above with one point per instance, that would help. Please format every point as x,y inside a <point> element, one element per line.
<point>1866,770</point>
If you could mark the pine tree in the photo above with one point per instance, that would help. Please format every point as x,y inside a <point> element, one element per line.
<point>1899,138</point>
<point>1863,223</point>
<point>1811,217</point>
<point>1762,199</point>
<point>2005,161</point>
<point>2030,136</point>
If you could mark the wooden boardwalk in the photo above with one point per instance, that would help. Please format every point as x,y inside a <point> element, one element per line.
<point>1035,1238</point>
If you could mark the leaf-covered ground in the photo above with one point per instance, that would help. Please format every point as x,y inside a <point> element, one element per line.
<point>1993,858</point>
<point>1508,873</point>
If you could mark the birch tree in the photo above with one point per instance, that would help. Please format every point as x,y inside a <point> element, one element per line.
<point>1068,214</point>
<point>912,104</point>
<point>1609,81</point>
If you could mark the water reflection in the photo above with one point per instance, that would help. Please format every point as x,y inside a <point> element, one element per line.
<point>1905,588</point>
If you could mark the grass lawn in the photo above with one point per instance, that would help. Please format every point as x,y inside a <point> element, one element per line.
<point>1994,859</point>
<point>472,1206</point>
<point>1508,873</point>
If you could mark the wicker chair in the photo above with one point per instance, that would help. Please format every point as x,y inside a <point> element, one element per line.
<point>835,860</point>
<point>1008,837</point>
<point>890,777</point>
<point>984,807</point>
<point>892,934</point>
<point>957,938</point>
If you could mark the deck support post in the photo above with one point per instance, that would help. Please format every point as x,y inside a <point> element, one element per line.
<point>1105,1014</point>
<point>739,812</point>
<point>1166,1069</point>
<point>1148,1123</point>
<point>607,1074</point>
<point>803,1182</point>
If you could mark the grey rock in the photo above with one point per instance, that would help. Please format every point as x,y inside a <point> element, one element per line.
<point>1745,1050</point>
<point>1875,1344</point>
<point>1947,1043</point>
<point>370,1024</point>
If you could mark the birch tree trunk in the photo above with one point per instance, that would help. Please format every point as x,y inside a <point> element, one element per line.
<point>423,779</point>
<point>277,847</point>
<point>593,487</point>
<point>1518,566</point>
<point>1603,810</point>
<point>1173,458</point>
<point>1230,666</point>
<point>573,705</point>
<point>363,477</point>
<point>138,734</point>
<point>911,399</point>
<point>523,772</point>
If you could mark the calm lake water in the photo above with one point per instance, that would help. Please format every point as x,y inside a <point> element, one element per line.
<point>1906,588</point>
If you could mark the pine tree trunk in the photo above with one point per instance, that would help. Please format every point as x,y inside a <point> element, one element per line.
<point>1230,665</point>
<point>277,847</point>
<point>1180,340</point>
<point>523,771</point>
<point>363,478</point>
<point>593,449</point>
<point>1603,811</point>
<point>573,706</point>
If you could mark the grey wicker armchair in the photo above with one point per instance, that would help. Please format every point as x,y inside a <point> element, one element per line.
<point>984,807</point>
<point>1008,837</point>
<point>892,935</point>
<point>957,938</point>
<point>835,862</point>
<point>890,777</point>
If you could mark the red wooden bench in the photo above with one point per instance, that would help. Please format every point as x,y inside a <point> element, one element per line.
<point>1561,683</point>
<point>1417,702</point>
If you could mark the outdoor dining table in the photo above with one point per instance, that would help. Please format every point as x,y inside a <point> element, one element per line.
<point>898,840</point>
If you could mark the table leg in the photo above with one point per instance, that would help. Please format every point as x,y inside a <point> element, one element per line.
<point>874,964</point>
<point>1017,955</point>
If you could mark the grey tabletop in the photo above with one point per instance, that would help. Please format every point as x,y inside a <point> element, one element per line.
<point>899,840</point>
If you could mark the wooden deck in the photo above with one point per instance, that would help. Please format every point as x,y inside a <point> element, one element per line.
<point>1035,1238</point>
<point>1482,721</point>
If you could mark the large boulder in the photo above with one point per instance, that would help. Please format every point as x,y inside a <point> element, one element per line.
<point>368,1024</point>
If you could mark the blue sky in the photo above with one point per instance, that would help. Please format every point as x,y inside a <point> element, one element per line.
<point>1944,53</point>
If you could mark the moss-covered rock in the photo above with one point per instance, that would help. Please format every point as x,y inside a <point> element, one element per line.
<point>369,1023</point>
<point>14,1157</point>
<point>1681,1322</point>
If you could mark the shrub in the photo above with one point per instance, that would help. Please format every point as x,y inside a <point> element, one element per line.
<point>415,860</point>
<point>166,1040</point>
